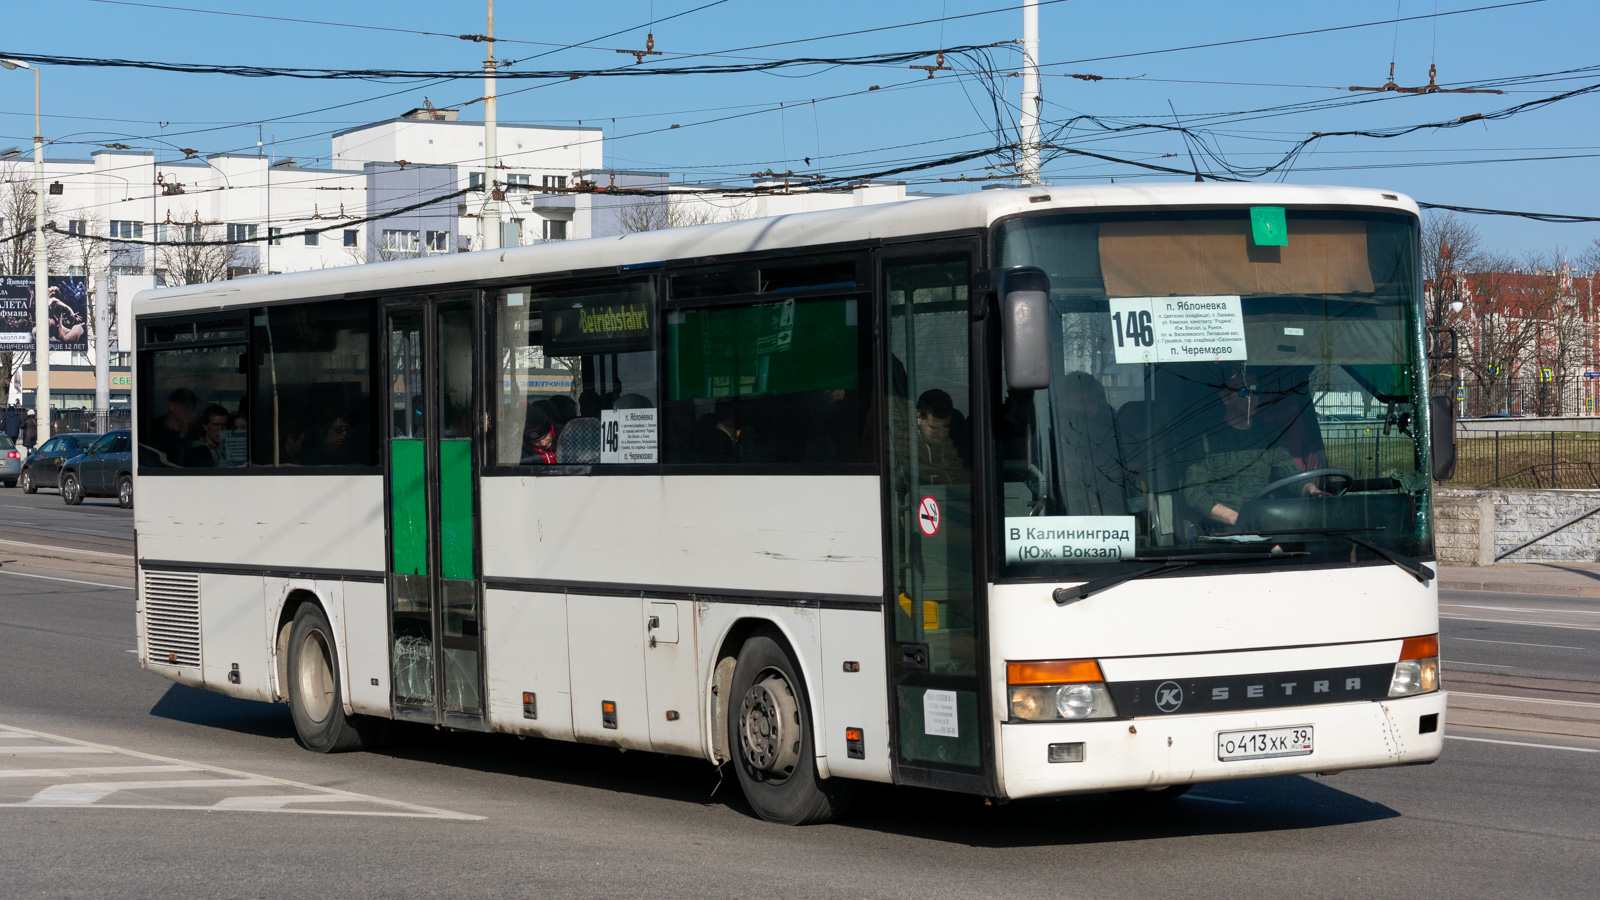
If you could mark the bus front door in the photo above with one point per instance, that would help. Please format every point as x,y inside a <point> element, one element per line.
<point>436,645</point>
<point>936,636</point>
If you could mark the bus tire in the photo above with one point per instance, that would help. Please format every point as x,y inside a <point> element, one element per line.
<point>315,690</point>
<point>771,738</point>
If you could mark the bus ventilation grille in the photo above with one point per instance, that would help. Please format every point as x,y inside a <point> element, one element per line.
<point>172,618</point>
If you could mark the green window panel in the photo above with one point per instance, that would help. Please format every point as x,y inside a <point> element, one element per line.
<point>408,505</point>
<point>455,509</point>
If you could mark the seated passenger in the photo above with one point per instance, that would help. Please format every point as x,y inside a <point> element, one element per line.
<point>1241,458</point>
<point>328,446</point>
<point>1091,474</point>
<point>538,438</point>
<point>167,439</point>
<point>208,449</point>
<point>717,435</point>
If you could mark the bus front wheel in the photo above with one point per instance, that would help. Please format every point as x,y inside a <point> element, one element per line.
<point>315,689</point>
<point>770,736</point>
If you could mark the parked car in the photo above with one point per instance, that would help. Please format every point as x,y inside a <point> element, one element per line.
<point>104,470</point>
<point>42,468</point>
<point>10,462</point>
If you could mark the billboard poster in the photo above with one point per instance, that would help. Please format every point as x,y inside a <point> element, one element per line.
<point>69,313</point>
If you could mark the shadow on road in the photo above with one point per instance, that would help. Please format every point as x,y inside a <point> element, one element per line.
<point>1239,807</point>
<point>191,705</point>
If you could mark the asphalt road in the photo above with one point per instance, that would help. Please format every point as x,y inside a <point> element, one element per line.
<point>224,804</point>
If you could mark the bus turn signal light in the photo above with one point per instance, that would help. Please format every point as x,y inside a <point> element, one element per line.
<point>1053,671</point>
<point>1420,647</point>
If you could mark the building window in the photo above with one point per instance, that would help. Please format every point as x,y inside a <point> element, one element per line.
<point>400,241</point>
<point>555,230</point>
<point>126,270</point>
<point>194,233</point>
<point>122,229</point>
<point>311,238</point>
<point>511,233</point>
<point>242,271</point>
<point>555,181</point>
<point>517,182</point>
<point>475,181</point>
<point>78,271</point>
<point>241,233</point>
<point>350,237</point>
<point>163,234</point>
<point>438,242</point>
<point>275,236</point>
<point>77,226</point>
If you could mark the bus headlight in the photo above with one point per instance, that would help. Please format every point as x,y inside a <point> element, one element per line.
<point>1037,693</point>
<point>1417,672</point>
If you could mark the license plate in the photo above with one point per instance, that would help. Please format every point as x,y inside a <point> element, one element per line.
<point>1264,743</point>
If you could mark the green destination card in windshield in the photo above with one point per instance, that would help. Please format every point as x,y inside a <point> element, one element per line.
<point>1268,227</point>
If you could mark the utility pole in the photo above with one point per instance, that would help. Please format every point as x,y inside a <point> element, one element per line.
<point>1031,101</point>
<point>41,277</point>
<point>491,209</point>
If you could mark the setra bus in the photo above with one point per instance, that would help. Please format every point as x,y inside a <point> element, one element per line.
<point>1018,493</point>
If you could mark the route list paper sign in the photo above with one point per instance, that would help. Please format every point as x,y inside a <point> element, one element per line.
<point>939,714</point>
<point>628,436</point>
<point>1177,329</point>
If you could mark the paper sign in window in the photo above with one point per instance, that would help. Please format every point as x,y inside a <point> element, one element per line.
<point>628,436</point>
<point>939,714</point>
<point>1177,329</point>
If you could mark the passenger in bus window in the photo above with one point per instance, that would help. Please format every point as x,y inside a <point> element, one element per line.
<point>940,427</point>
<point>717,434</point>
<point>328,448</point>
<point>208,450</point>
<point>538,437</point>
<point>169,436</point>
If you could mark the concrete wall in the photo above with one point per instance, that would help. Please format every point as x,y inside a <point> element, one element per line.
<point>1472,526</point>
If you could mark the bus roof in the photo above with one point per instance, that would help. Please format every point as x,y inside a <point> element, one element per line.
<point>863,223</point>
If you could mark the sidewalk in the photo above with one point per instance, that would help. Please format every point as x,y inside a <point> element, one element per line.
<point>1567,579</point>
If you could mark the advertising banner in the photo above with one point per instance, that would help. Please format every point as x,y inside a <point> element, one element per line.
<point>69,313</point>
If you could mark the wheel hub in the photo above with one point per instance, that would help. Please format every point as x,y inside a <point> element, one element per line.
<point>769,725</point>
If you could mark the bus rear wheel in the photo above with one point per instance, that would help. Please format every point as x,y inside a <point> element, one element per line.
<point>315,690</point>
<point>771,738</point>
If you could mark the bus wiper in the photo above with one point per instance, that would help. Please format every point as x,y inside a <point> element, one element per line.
<point>1066,595</point>
<point>1413,567</point>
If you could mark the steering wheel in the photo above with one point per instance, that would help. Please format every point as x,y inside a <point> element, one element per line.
<point>1034,480</point>
<point>1308,475</point>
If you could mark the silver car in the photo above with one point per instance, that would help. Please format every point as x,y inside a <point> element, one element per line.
<point>10,462</point>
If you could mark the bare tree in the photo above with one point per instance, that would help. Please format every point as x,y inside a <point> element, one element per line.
<point>1505,312</point>
<point>186,258</point>
<point>1451,250</point>
<point>676,211</point>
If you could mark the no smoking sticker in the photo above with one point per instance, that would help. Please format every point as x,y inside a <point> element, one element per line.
<point>928,516</point>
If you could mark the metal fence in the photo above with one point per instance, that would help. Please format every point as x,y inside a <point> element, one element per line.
<point>1528,460</point>
<point>89,421</point>
<point>1572,396</point>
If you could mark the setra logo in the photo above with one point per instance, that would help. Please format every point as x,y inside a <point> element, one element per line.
<point>1169,696</point>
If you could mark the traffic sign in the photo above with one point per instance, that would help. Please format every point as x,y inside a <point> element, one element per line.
<point>1547,375</point>
<point>1461,394</point>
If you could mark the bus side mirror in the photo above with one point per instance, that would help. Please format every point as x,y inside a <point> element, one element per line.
<point>1442,431</point>
<point>1024,294</point>
<point>1438,346</point>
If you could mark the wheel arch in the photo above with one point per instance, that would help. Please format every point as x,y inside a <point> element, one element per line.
<point>718,692</point>
<point>288,606</point>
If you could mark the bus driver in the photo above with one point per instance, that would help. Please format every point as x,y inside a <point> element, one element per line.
<point>1242,457</point>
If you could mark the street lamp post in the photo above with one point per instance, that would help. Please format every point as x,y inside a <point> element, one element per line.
<point>41,261</point>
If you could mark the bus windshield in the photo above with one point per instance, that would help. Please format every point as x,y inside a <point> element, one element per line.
<point>1228,385</point>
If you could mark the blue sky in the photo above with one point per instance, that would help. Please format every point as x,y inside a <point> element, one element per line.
<point>731,126</point>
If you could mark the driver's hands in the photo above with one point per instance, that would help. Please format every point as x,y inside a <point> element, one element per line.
<point>1313,491</point>
<point>1224,514</point>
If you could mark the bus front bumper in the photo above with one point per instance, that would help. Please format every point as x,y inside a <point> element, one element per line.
<point>1152,752</point>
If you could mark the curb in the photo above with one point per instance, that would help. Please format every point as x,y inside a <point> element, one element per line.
<point>1520,587</point>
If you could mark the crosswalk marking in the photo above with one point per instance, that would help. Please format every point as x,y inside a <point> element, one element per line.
<point>85,793</point>
<point>62,785</point>
<point>76,771</point>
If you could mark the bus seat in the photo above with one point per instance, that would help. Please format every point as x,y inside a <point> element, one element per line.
<point>579,443</point>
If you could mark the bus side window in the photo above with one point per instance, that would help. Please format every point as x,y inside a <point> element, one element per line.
<point>775,382</point>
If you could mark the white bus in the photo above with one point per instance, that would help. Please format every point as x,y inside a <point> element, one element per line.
<point>1016,493</point>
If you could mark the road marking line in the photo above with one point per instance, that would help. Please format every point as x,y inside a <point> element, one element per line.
<point>1457,662</point>
<point>1515,643</point>
<point>1457,737</point>
<point>276,802</point>
<point>1581,612</point>
<point>1522,622</point>
<point>86,793</point>
<point>11,750</point>
<point>123,556</point>
<point>109,587</point>
<point>1527,699</point>
<point>89,770</point>
<point>401,809</point>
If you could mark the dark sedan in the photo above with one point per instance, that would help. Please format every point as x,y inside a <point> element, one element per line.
<point>104,470</point>
<point>42,468</point>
